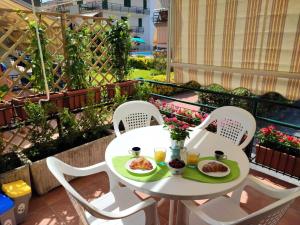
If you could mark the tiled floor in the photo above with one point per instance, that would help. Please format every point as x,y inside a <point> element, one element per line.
<point>55,208</point>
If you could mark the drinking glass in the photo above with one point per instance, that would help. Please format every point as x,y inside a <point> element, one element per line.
<point>160,155</point>
<point>192,158</point>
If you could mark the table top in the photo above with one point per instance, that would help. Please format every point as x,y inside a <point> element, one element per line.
<point>176,187</point>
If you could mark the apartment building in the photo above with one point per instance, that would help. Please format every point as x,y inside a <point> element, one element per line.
<point>138,13</point>
<point>160,21</point>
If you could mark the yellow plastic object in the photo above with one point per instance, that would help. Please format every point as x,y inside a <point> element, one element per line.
<point>16,189</point>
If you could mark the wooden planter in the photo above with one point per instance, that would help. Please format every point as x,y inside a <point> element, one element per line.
<point>81,156</point>
<point>126,88</point>
<point>20,173</point>
<point>280,161</point>
<point>6,113</point>
<point>76,99</point>
<point>57,99</point>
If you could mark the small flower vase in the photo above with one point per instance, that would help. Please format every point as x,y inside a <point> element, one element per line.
<point>176,146</point>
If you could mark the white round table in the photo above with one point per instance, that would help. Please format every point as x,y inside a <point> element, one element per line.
<point>176,187</point>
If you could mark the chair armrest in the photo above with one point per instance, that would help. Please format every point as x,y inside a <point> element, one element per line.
<point>194,209</point>
<point>124,213</point>
<point>76,171</point>
<point>268,190</point>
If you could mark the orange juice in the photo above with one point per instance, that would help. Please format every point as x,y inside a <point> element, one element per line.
<point>192,158</point>
<point>159,155</point>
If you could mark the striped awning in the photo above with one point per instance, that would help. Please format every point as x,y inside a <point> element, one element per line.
<point>238,43</point>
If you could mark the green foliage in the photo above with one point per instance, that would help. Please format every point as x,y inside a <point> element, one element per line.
<point>160,61</point>
<point>143,91</point>
<point>3,91</point>
<point>120,43</point>
<point>243,103</point>
<point>78,53</point>
<point>263,108</point>
<point>213,99</point>
<point>37,78</point>
<point>119,99</point>
<point>69,126</point>
<point>192,84</point>
<point>41,132</point>
<point>143,63</point>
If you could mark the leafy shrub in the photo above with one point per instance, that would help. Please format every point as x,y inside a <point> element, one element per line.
<point>143,91</point>
<point>142,63</point>
<point>213,99</point>
<point>160,61</point>
<point>243,103</point>
<point>263,108</point>
<point>192,84</point>
<point>162,89</point>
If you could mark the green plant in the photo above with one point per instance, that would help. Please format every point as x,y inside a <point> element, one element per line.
<point>120,43</point>
<point>160,61</point>
<point>192,84</point>
<point>3,91</point>
<point>143,91</point>
<point>119,99</point>
<point>93,119</point>
<point>179,130</point>
<point>76,65</point>
<point>69,126</point>
<point>41,132</point>
<point>37,78</point>
<point>243,103</point>
<point>214,99</point>
<point>272,138</point>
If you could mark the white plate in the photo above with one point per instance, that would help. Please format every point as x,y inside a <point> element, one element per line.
<point>213,174</point>
<point>140,171</point>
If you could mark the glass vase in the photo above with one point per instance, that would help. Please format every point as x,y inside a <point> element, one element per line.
<point>176,147</point>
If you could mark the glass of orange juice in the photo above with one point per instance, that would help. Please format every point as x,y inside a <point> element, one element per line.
<point>192,158</point>
<point>160,155</point>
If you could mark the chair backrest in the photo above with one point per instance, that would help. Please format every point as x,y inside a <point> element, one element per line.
<point>135,114</point>
<point>233,123</point>
<point>271,214</point>
<point>59,169</point>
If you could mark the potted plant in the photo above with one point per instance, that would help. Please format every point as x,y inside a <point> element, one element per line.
<point>76,69</point>
<point>37,78</point>
<point>179,131</point>
<point>119,40</point>
<point>12,168</point>
<point>79,143</point>
<point>278,150</point>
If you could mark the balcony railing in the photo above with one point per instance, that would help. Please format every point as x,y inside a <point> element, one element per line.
<point>160,16</point>
<point>102,5</point>
<point>255,105</point>
<point>136,29</point>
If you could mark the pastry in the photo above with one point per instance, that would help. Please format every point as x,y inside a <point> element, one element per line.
<point>214,167</point>
<point>141,163</point>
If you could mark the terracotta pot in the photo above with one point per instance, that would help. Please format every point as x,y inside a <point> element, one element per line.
<point>127,88</point>
<point>283,162</point>
<point>260,154</point>
<point>6,113</point>
<point>275,159</point>
<point>268,157</point>
<point>290,165</point>
<point>76,99</point>
<point>56,99</point>
<point>296,171</point>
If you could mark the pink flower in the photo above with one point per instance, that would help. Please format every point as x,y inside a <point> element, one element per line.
<point>185,126</point>
<point>271,127</point>
<point>265,131</point>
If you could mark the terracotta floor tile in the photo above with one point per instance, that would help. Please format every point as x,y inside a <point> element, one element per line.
<point>55,208</point>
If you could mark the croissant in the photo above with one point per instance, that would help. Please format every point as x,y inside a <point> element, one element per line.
<point>141,163</point>
<point>214,167</point>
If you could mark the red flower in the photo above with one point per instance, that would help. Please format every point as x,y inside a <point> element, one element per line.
<point>290,138</point>
<point>265,131</point>
<point>271,127</point>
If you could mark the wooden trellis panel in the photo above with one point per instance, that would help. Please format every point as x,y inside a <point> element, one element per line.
<point>15,38</point>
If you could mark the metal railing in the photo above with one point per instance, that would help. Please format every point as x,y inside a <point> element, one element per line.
<point>103,5</point>
<point>160,16</point>
<point>255,105</point>
<point>136,29</point>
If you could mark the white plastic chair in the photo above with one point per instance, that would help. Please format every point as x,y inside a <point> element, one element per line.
<point>135,114</point>
<point>232,123</point>
<point>118,207</point>
<point>227,210</point>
